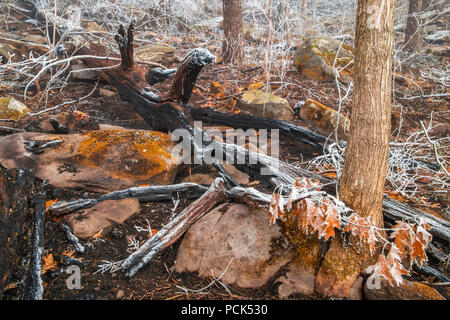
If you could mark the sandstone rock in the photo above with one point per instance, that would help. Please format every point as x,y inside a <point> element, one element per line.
<point>106,93</point>
<point>356,290</point>
<point>302,270</point>
<point>234,232</point>
<point>409,290</point>
<point>24,45</point>
<point>216,88</point>
<point>94,27</point>
<point>315,58</point>
<point>159,53</point>
<point>10,108</point>
<point>101,160</point>
<point>298,280</point>
<point>323,119</point>
<point>102,217</point>
<point>262,104</point>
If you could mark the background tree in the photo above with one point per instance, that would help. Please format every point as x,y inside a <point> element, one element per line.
<point>304,8</point>
<point>413,35</point>
<point>365,167</point>
<point>232,48</point>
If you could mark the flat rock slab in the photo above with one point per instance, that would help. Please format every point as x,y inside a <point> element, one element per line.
<point>102,217</point>
<point>239,237</point>
<point>101,160</point>
<point>265,104</point>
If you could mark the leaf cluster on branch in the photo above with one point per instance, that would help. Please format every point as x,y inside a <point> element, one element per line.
<point>323,215</point>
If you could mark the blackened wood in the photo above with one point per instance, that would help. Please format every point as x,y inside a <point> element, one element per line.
<point>157,75</point>
<point>173,230</point>
<point>16,222</point>
<point>143,194</point>
<point>34,289</point>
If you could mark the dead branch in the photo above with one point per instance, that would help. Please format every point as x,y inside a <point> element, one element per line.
<point>143,194</point>
<point>172,231</point>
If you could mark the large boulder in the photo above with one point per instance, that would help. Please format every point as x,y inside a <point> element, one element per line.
<point>238,237</point>
<point>315,59</point>
<point>101,160</point>
<point>159,53</point>
<point>265,104</point>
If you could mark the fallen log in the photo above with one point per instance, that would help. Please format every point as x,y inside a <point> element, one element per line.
<point>33,284</point>
<point>177,113</point>
<point>17,205</point>
<point>173,230</point>
<point>143,194</point>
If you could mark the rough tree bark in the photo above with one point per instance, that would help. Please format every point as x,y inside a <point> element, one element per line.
<point>366,155</point>
<point>413,35</point>
<point>232,47</point>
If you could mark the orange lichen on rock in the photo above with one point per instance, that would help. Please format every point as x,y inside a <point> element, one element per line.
<point>128,153</point>
<point>323,118</point>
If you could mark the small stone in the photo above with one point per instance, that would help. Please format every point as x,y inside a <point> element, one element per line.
<point>323,119</point>
<point>106,93</point>
<point>120,294</point>
<point>265,104</point>
<point>10,108</point>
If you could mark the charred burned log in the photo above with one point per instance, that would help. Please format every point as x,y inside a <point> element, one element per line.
<point>157,75</point>
<point>172,231</point>
<point>33,284</point>
<point>243,121</point>
<point>17,205</point>
<point>143,194</point>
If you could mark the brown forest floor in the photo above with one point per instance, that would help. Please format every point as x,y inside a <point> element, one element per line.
<point>158,280</point>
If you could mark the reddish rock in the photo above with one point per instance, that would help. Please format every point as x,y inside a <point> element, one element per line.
<point>101,160</point>
<point>101,217</point>
<point>323,119</point>
<point>409,290</point>
<point>236,236</point>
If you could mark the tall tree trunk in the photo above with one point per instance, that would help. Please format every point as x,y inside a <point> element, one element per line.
<point>413,35</point>
<point>364,174</point>
<point>232,48</point>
